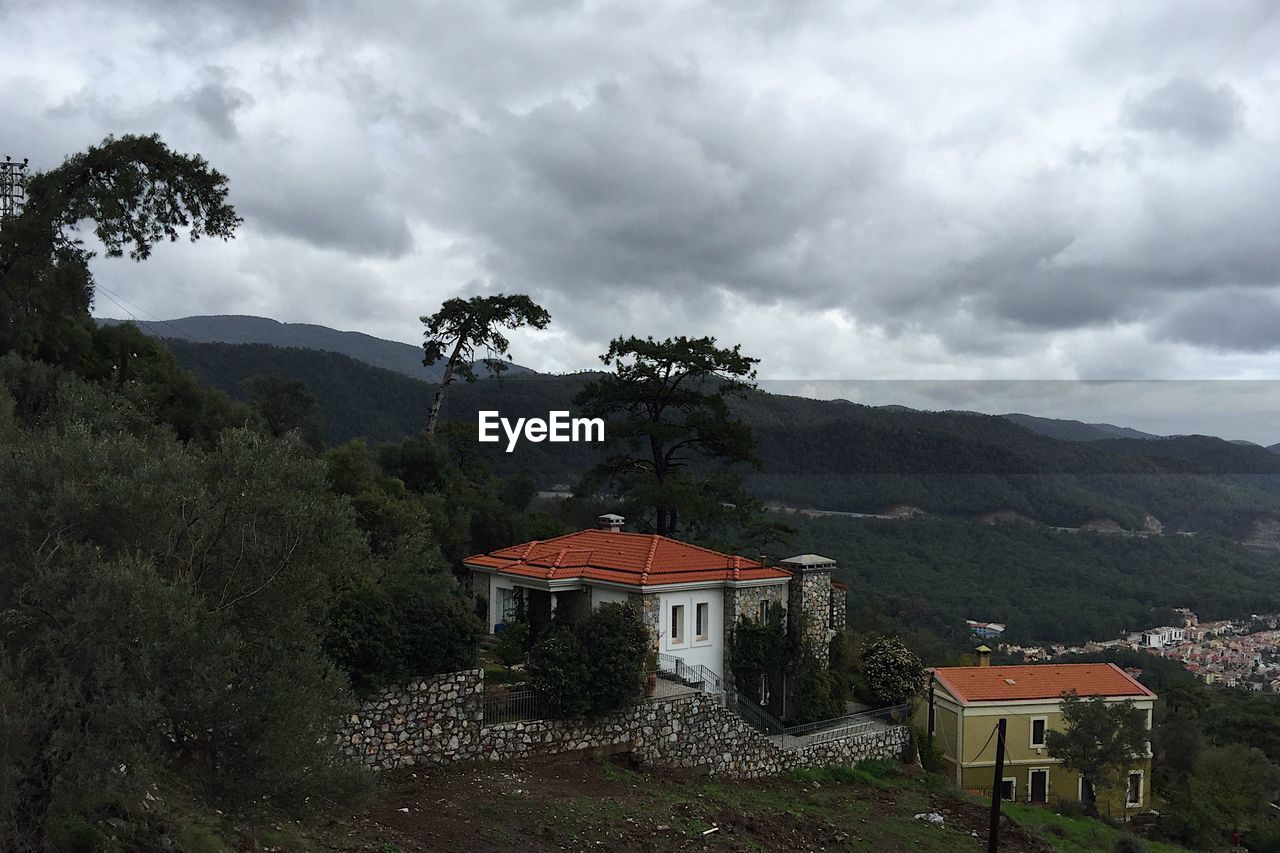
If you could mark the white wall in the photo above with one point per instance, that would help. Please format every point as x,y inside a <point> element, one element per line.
<point>495,599</point>
<point>601,595</point>
<point>708,652</point>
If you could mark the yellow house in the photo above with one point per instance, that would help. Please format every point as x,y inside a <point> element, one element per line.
<point>964,704</point>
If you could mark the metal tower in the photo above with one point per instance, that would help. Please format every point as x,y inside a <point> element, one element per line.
<point>13,183</point>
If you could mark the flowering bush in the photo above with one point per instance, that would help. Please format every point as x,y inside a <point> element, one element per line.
<point>892,672</point>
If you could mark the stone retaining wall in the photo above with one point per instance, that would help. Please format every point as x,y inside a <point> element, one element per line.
<point>440,719</point>
<point>433,720</point>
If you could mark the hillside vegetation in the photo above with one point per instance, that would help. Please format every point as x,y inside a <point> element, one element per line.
<point>832,455</point>
<point>1046,585</point>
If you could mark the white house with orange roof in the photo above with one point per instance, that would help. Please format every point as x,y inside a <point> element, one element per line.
<point>690,597</point>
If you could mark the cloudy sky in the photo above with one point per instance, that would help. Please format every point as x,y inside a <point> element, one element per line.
<point>850,189</point>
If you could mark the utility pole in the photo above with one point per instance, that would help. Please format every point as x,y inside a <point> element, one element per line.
<point>13,187</point>
<point>997,788</point>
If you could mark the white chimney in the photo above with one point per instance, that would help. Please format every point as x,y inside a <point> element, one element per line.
<point>612,523</point>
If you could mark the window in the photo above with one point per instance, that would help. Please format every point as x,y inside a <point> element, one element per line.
<point>702,619</point>
<point>1009,789</point>
<point>677,624</point>
<point>507,605</point>
<point>1134,795</point>
<point>1037,731</point>
<point>764,612</point>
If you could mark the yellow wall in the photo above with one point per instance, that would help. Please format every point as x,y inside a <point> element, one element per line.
<point>965,738</point>
<point>1064,784</point>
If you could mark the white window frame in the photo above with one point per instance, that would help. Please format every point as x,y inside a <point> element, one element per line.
<point>702,612</point>
<point>1012,782</point>
<point>1031,733</point>
<point>762,611</point>
<point>1031,775</point>
<point>678,636</point>
<point>1130,804</point>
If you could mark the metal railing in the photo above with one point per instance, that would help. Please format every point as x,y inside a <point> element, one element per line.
<point>516,706</point>
<point>754,715</point>
<point>1103,808</point>
<point>691,674</point>
<point>839,728</point>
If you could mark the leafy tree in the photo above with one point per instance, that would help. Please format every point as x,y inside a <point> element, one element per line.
<point>364,635</point>
<point>1099,739</point>
<point>593,665</point>
<point>137,192</point>
<point>462,326</point>
<point>437,619</point>
<point>163,606</point>
<point>667,405</point>
<point>1230,790</point>
<point>285,406</point>
<point>892,673</point>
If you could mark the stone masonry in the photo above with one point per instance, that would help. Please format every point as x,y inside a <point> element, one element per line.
<point>433,720</point>
<point>809,603</point>
<point>744,603</point>
<point>440,719</point>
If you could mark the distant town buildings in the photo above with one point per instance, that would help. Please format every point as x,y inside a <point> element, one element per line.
<point>985,630</point>
<point>1236,654</point>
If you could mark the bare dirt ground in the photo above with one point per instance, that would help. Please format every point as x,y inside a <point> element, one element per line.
<point>584,804</point>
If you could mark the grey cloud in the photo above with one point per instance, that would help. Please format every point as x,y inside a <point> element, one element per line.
<point>1239,320</point>
<point>860,168</point>
<point>1202,114</point>
<point>215,103</point>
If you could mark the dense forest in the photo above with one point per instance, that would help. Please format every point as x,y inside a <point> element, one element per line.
<point>1046,585</point>
<point>826,454</point>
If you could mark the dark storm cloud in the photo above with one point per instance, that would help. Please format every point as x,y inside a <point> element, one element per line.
<point>990,187</point>
<point>1202,114</point>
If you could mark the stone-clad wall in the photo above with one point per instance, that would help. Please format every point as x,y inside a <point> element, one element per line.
<point>433,720</point>
<point>440,719</point>
<point>706,735</point>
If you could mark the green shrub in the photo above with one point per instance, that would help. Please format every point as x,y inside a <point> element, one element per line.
<point>820,694</point>
<point>513,643</point>
<point>73,834</point>
<point>1129,844</point>
<point>593,665</point>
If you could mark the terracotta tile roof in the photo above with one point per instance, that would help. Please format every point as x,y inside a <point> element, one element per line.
<point>1037,681</point>
<point>636,559</point>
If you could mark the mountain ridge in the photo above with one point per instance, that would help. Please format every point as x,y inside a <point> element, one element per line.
<point>402,358</point>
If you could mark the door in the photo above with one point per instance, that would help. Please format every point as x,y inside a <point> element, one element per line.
<point>1039,786</point>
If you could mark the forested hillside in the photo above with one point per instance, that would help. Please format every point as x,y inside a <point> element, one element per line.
<point>832,455</point>
<point>1046,585</point>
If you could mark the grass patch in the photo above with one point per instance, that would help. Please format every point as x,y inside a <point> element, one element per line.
<point>1075,834</point>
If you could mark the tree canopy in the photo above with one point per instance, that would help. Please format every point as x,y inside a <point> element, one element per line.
<point>463,326</point>
<point>671,432</point>
<point>137,192</point>
<point>1098,739</point>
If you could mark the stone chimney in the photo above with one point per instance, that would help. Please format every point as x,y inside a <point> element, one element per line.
<point>984,655</point>
<point>809,602</point>
<point>612,523</point>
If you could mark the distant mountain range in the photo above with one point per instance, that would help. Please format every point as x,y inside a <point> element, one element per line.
<point>402,358</point>
<point>825,454</point>
<point>1066,430</point>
